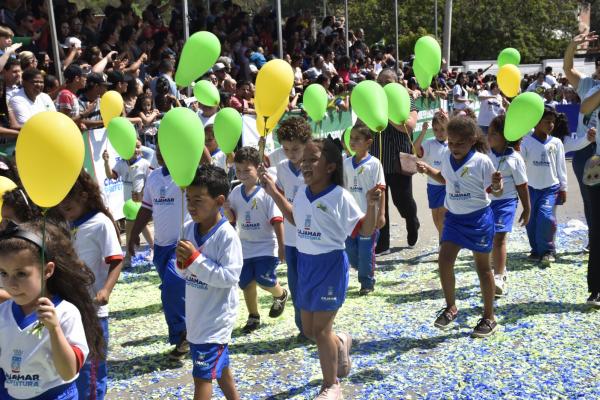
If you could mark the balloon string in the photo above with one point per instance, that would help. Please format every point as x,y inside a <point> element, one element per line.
<point>43,269</point>
<point>182,214</point>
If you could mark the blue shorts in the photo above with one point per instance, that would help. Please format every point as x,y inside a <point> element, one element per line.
<point>209,360</point>
<point>504,214</point>
<point>473,231</point>
<point>322,280</point>
<point>259,269</point>
<point>436,194</point>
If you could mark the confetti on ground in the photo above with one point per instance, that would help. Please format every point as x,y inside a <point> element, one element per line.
<point>546,348</point>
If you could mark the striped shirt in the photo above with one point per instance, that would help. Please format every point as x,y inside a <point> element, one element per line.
<point>393,142</point>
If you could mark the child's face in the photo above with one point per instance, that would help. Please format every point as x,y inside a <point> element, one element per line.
<point>146,105</point>
<point>20,275</point>
<point>73,208</point>
<point>358,143</point>
<point>293,150</point>
<point>459,146</point>
<point>315,168</point>
<point>546,125</point>
<point>5,41</point>
<point>209,139</point>
<point>439,131</point>
<point>201,206</point>
<point>246,172</point>
<point>138,150</point>
<point>495,139</point>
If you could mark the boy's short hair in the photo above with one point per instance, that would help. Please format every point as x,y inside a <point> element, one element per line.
<point>362,129</point>
<point>6,32</point>
<point>213,178</point>
<point>294,128</point>
<point>247,154</point>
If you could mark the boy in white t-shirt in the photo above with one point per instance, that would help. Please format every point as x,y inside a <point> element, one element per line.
<point>209,257</point>
<point>363,172</point>
<point>260,226</point>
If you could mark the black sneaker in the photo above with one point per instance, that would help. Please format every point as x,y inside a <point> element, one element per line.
<point>364,291</point>
<point>181,349</point>
<point>594,300</point>
<point>252,324</point>
<point>445,319</point>
<point>278,305</point>
<point>533,257</point>
<point>412,236</point>
<point>484,328</point>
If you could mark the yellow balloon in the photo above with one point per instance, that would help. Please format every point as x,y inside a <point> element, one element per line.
<point>5,186</point>
<point>509,80</point>
<point>271,122</point>
<point>273,85</point>
<point>49,155</point>
<point>111,105</point>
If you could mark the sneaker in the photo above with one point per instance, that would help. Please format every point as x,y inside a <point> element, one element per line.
<point>383,253</point>
<point>333,392</point>
<point>485,328</point>
<point>181,349</point>
<point>365,291</point>
<point>501,286</point>
<point>278,305</point>
<point>252,324</point>
<point>586,249</point>
<point>546,261</point>
<point>594,300</point>
<point>413,234</point>
<point>344,361</point>
<point>533,256</point>
<point>445,319</point>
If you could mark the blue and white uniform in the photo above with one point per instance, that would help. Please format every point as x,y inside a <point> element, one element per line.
<point>289,180</point>
<point>96,243</point>
<point>219,159</point>
<point>255,215</point>
<point>547,175</point>
<point>211,295</point>
<point>514,174</point>
<point>133,174</point>
<point>323,222</point>
<point>164,198</point>
<point>469,221</point>
<point>359,178</point>
<point>434,151</point>
<point>26,360</point>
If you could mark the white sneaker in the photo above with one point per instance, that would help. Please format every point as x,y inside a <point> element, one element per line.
<point>333,392</point>
<point>501,286</point>
<point>344,360</point>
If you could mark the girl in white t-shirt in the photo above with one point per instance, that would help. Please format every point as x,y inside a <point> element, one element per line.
<point>432,151</point>
<point>45,363</point>
<point>96,241</point>
<point>469,176</point>
<point>324,215</point>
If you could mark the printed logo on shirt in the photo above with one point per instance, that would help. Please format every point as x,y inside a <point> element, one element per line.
<point>254,205</point>
<point>437,163</point>
<point>457,195</point>
<point>15,378</point>
<point>306,232</point>
<point>193,281</point>
<point>162,199</point>
<point>15,361</point>
<point>248,225</point>
<point>360,170</point>
<point>322,207</point>
<point>355,188</point>
<point>331,297</point>
<point>543,162</point>
<point>464,172</point>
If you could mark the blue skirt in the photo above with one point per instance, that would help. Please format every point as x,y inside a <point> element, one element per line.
<point>436,194</point>
<point>504,214</point>
<point>473,231</point>
<point>322,281</point>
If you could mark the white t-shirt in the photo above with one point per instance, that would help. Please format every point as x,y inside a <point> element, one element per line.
<point>25,359</point>
<point>165,199</point>
<point>550,80</point>
<point>133,175</point>
<point>545,162</point>
<point>255,215</point>
<point>434,152</point>
<point>219,159</point>
<point>96,243</point>
<point>459,91</point>
<point>535,86</point>
<point>289,180</point>
<point>467,182</point>
<point>489,109</point>
<point>584,90</point>
<point>324,221</point>
<point>211,292</point>
<point>23,108</point>
<point>206,120</point>
<point>513,172</point>
<point>362,177</point>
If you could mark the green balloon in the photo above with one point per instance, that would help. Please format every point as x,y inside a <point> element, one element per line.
<point>347,140</point>
<point>429,54</point>
<point>131,209</point>
<point>206,93</point>
<point>181,141</point>
<point>122,137</point>
<point>370,104</point>
<point>398,102</point>
<point>315,102</point>
<point>228,129</point>
<point>423,77</point>
<point>199,54</point>
<point>509,56</point>
<point>523,114</point>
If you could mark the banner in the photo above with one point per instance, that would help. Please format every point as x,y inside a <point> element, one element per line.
<point>96,141</point>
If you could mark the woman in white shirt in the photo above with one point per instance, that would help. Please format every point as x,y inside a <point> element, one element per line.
<point>491,106</point>
<point>460,94</point>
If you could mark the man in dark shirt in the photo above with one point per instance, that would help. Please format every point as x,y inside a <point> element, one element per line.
<point>395,139</point>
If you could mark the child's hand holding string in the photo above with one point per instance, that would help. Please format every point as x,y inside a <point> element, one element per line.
<point>497,182</point>
<point>422,167</point>
<point>47,313</point>
<point>374,195</point>
<point>185,249</point>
